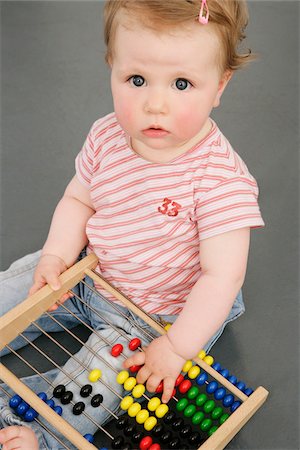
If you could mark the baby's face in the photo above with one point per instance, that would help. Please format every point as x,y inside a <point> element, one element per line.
<point>164,86</point>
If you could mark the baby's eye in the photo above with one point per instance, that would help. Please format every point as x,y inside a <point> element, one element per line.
<point>182,84</point>
<point>137,80</point>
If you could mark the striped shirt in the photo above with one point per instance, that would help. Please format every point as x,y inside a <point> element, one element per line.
<point>150,217</point>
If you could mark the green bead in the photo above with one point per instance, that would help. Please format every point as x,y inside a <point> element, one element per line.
<point>217,412</point>
<point>212,430</point>
<point>223,418</point>
<point>201,399</point>
<point>206,424</point>
<point>189,411</point>
<point>209,406</point>
<point>182,404</point>
<point>193,392</point>
<point>198,417</point>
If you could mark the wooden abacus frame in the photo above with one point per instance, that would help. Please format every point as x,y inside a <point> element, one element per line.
<point>19,318</point>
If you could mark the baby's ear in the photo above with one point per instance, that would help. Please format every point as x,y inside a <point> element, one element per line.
<point>222,85</point>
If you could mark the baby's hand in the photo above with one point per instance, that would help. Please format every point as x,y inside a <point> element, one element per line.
<point>47,271</point>
<point>160,362</point>
<point>16,437</point>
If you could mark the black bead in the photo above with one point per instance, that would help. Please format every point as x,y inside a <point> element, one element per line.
<point>130,429</point>
<point>96,400</point>
<point>169,417</point>
<point>174,443</point>
<point>117,442</point>
<point>121,422</point>
<point>158,429</point>
<point>59,390</point>
<point>165,437</point>
<point>137,437</point>
<point>126,446</point>
<point>178,424</point>
<point>195,438</point>
<point>78,408</point>
<point>66,397</point>
<point>185,431</point>
<point>86,390</point>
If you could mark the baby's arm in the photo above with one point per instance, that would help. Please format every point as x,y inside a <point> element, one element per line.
<point>17,437</point>
<point>223,261</point>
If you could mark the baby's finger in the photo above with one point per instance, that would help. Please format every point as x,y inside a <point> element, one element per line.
<point>143,375</point>
<point>9,433</point>
<point>138,359</point>
<point>53,281</point>
<point>169,383</point>
<point>36,286</point>
<point>152,383</point>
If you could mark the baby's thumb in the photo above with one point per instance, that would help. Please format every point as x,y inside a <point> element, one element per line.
<point>53,282</point>
<point>36,286</point>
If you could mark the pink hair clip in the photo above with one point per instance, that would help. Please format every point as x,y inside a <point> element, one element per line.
<point>203,19</point>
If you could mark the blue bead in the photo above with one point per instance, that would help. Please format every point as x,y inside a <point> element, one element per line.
<point>232,379</point>
<point>216,366</point>
<point>89,437</point>
<point>58,410</point>
<point>211,387</point>
<point>228,400</point>
<point>103,448</point>
<point>220,393</point>
<point>50,403</point>
<point>30,415</point>
<point>42,396</point>
<point>22,408</point>
<point>240,385</point>
<point>235,406</point>
<point>14,401</point>
<point>201,378</point>
<point>224,373</point>
<point>248,391</point>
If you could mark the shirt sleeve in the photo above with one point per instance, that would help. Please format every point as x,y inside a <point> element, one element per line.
<point>230,205</point>
<point>84,162</point>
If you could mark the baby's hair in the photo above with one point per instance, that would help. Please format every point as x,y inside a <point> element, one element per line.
<point>228,17</point>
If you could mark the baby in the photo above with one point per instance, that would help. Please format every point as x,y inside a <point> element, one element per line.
<point>159,194</point>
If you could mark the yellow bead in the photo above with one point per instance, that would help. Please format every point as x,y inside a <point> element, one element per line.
<point>122,376</point>
<point>138,390</point>
<point>209,360</point>
<point>129,383</point>
<point>142,416</point>
<point>134,409</point>
<point>187,366</point>
<point>153,403</point>
<point>168,326</point>
<point>161,410</point>
<point>201,354</point>
<point>126,402</point>
<point>94,375</point>
<point>150,423</point>
<point>193,372</point>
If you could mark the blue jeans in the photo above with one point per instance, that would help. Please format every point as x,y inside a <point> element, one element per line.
<point>14,286</point>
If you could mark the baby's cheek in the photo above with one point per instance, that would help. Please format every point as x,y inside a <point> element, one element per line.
<point>189,123</point>
<point>125,114</point>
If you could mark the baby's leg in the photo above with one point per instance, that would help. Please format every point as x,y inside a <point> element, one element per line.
<point>18,437</point>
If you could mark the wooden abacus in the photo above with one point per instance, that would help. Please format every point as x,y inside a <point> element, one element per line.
<point>18,319</point>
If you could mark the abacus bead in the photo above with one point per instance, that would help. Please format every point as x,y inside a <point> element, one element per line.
<point>22,408</point>
<point>240,385</point>
<point>78,408</point>
<point>165,437</point>
<point>137,437</point>
<point>94,375</point>
<point>178,424</point>
<point>201,399</point>
<point>201,378</point>
<point>195,438</point>
<point>129,383</point>
<point>86,390</point>
<point>182,404</point>
<point>153,403</point>
<point>30,415</point>
<point>217,413</point>
<point>220,393</point>
<point>208,359</point>
<point>193,372</point>
<point>160,388</point>
<point>158,429</point>
<point>126,402</point>
<point>201,354</point>
<point>248,391</point>
<point>228,400</point>
<point>50,403</point>
<point>211,387</point>
<point>42,396</point>
<point>145,442</point>
<point>89,437</point>
<point>198,417</point>
<point>134,368</point>
<point>232,379</point>
<point>161,410</point>
<point>142,416</point>
<point>184,386</point>
<point>212,430</point>
<point>134,409</point>
<point>138,390</point>
<point>14,401</point>
<point>185,431</point>
<point>134,344</point>
<point>188,364</point>
<point>121,422</point>
<point>154,446</point>
<point>58,410</point>
<point>150,423</point>
<point>223,418</point>
<point>217,366</point>
<point>235,406</point>
<point>116,350</point>
<point>169,417</point>
<point>122,376</point>
<point>209,406</point>
<point>130,429</point>
<point>96,400</point>
<point>193,392</point>
<point>168,326</point>
<point>189,411</point>
<point>206,424</point>
<point>117,442</point>
<point>179,379</point>
<point>174,443</point>
<point>66,397</point>
<point>59,390</point>
<point>224,373</point>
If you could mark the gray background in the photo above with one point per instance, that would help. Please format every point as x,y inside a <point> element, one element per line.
<point>55,84</point>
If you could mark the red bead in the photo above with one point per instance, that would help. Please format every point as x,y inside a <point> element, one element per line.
<point>116,350</point>
<point>184,386</point>
<point>134,368</point>
<point>179,379</point>
<point>154,447</point>
<point>134,344</point>
<point>145,442</point>
<point>160,388</point>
